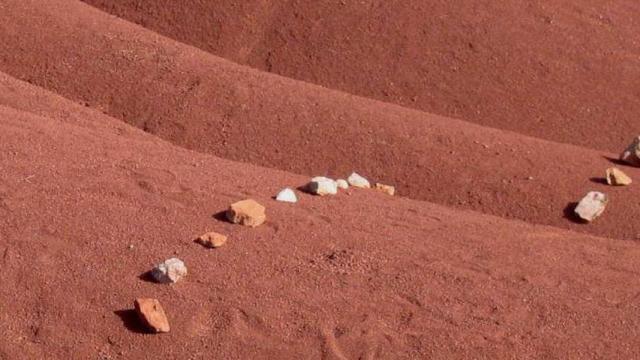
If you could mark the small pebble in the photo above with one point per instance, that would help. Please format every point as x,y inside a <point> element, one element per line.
<point>287,195</point>
<point>152,315</point>
<point>591,206</point>
<point>170,271</point>
<point>358,181</point>
<point>387,189</point>
<point>616,177</point>
<point>342,184</point>
<point>212,240</point>
<point>322,186</point>
<point>246,212</point>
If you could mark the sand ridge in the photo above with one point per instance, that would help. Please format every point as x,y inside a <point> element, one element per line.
<point>558,70</point>
<point>119,146</point>
<point>365,275</point>
<point>208,104</point>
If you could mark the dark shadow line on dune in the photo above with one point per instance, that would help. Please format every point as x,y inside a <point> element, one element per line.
<point>615,161</point>
<point>599,180</point>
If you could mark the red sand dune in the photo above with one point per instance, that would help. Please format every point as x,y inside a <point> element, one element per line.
<point>211,105</point>
<point>89,201</point>
<point>359,276</point>
<point>560,70</point>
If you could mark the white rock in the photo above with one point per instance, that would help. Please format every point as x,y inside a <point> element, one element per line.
<point>631,155</point>
<point>358,181</point>
<point>342,184</point>
<point>321,185</point>
<point>170,271</point>
<point>591,206</point>
<point>287,195</point>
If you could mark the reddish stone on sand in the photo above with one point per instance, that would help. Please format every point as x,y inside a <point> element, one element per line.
<point>152,315</point>
<point>212,240</point>
<point>387,189</point>
<point>247,212</point>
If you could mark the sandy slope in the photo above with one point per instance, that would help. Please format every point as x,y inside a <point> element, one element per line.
<point>560,70</point>
<point>352,276</point>
<point>208,104</point>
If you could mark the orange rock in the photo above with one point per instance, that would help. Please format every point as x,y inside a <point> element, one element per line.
<point>388,189</point>
<point>212,240</point>
<point>152,315</point>
<point>246,212</point>
<point>617,177</point>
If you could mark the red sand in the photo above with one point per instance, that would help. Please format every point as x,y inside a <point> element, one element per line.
<point>208,104</point>
<point>359,275</point>
<point>560,70</point>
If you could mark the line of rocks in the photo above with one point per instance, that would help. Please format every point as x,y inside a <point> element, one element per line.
<point>249,213</point>
<point>594,203</point>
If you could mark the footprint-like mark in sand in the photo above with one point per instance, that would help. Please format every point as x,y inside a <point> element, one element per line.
<point>330,348</point>
<point>251,327</point>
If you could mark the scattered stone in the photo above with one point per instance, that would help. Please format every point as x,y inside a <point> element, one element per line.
<point>591,206</point>
<point>322,186</point>
<point>616,177</point>
<point>631,155</point>
<point>388,189</point>
<point>212,240</point>
<point>358,181</point>
<point>342,184</point>
<point>247,212</point>
<point>287,195</point>
<point>152,315</point>
<point>170,271</point>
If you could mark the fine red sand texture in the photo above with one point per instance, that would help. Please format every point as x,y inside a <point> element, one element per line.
<point>128,145</point>
<point>560,70</point>
<point>363,275</point>
<point>205,103</point>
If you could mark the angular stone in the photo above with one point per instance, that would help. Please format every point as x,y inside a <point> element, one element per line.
<point>358,181</point>
<point>616,177</point>
<point>322,186</point>
<point>387,189</point>
<point>247,212</point>
<point>212,240</point>
<point>342,184</point>
<point>170,271</point>
<point>591,206</point>
<point>287,195</point>
<point>152,315</point>
<point>631,155</point>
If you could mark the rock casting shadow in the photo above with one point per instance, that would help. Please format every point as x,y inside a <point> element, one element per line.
<point>570,214</point>
<point>131,321</point>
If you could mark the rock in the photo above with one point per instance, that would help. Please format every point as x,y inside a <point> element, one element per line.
<point>170,271</point>
<point>212,240</point>
<point>322,186</point>
<point>591,206</point>
<point>388,189</point>
<point>631,155</point>
<point>247,212</point>
<point>342,184</point>
<point>358,181</point>
<point>152,315</point>
<point>287,195</point>
<point>616,177</point>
